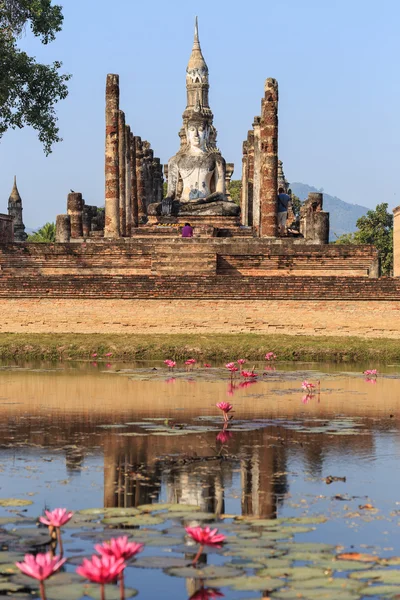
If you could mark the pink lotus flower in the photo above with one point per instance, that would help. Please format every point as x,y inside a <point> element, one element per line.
<point>230,365</point>
<point>249,374</point>
<point>241,361</point>
<point>103,569</point>
<point>40,567</point>
<point>108,354</point>
<point>94,354</point>
<point>206,536</point>
<point>206,594</point>
<point>119,548</point>
<point>190,361</point>
<point>207,366</point>
<point>226,407</point>
<point>56,518</point>
<point>270,356</point>
<point>371,372</point>
<point>308,386</point>
<point>171,364</point>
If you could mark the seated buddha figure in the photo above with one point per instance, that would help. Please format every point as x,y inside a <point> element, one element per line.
<point>196,174</point>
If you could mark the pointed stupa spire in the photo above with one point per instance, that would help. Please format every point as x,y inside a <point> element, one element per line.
<point>15,196</point>
<point>196,60</point>
<point>197,82</point>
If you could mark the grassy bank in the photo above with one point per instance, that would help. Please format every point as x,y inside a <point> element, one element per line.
<point>210,347</point>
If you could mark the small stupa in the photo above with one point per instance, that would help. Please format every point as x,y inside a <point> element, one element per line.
<point>15,211</point>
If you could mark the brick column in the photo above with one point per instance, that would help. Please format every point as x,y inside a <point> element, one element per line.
<point>250,176</point>
<point>396,242</point>
<point>111,228</point>
<point>244,193</point>
<point>122,172</point>
<point>140,179</point>
<point>63,228</point>
<point>230,167</point>
<point>269,160</point>
<point>257,173</point>
<point>74,210</point>
<point>134,190</point>
<point>128,184</point>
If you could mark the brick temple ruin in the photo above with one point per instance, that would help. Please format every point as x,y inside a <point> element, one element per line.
<point>132,249</point>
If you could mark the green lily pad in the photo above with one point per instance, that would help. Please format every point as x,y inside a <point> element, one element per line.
<point>207,572</point>
<point>292,573</point>
<point>160,562</point>
<point>319,594</point>
<point>308,547</point>
<point>253,583</point>
<point>162,540</point>
<point>191,516</point>
<point>390,576</point>
<point>381,591</point>
<point>9,586</point>
<point>92,511</point>
<point>15,502</point>
<point>168,506</point>
<point>77,590</point>
<point>11,557</point>
<point>339,565</point>
<point>9,568</point>
<point>135,521</point>
<point>254,552</point>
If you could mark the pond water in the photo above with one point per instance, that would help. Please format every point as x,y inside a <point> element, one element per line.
<point>303,472</point>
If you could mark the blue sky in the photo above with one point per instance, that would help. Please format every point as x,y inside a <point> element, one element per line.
<point>336,62</point>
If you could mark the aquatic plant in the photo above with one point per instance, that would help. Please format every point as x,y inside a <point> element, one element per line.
<point>40,567</point>
<point>55,519</point>
<point>270,356</point>
<point>241,361</point>
<point>119,548</point>
<point>205,537</point>
<point>207,365</point>
<point>206,594</point>
<point>171,364</point>
<point>249,374</point>
<point>308,386</point>
<point>371,373</point>
<point>101,569</point>
<point>226,407</point>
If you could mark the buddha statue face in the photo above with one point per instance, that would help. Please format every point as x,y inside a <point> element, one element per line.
<point>197,135</point>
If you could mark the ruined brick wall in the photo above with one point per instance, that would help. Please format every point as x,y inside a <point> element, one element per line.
<point>6,229</point>
<point>179,315</point>
<point>215,257</point>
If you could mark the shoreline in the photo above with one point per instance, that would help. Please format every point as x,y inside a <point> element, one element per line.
<point>252,346</point>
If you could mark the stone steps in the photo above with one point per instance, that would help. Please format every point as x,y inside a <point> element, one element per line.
<point>195,287</point>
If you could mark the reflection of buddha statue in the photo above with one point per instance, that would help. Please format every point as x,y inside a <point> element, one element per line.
<point>196,174</point>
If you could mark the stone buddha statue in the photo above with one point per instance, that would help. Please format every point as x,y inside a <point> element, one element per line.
<point>197,172</point>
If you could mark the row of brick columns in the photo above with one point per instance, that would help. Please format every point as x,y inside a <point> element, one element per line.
<point>133,177</point>
<point>260,167</point>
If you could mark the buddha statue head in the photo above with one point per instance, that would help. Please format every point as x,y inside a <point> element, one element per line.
<point>197,135</point>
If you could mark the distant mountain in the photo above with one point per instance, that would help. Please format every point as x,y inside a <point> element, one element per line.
<point>343,216</point>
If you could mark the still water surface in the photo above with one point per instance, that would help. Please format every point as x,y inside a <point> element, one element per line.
<point>85,436</point>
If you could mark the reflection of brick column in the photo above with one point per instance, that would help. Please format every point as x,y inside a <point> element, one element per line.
<point>396,242</point>
<point>269,160</point>
<point>63,228</point>
<point>74,210</point>
<point>128,184</point>
<point>244,192</point>
<point>111,228</point>
<point>134,189</point>
<point>122,172</point>
<point>256,181</point>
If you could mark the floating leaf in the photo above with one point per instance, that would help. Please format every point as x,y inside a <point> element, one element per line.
<point>381,591</point>
<point>160,562</point>
<point>135,521</point>
<point>207,572</point>
<point>15,502</point>
<point>254,583</point>
<point>168,506</point>
<point>391,576</point>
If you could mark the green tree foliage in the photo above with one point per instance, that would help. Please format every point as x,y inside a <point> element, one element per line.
<point>45,234</point>
<point>296,204</point>
<point>29,90</point>
<point>375,228</point>
<point>235,190</point>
